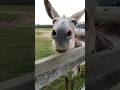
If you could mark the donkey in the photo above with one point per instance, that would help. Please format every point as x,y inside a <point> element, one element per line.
<point>63,32</point>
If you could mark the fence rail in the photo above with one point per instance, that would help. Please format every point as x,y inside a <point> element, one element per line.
<point>51,68</point>
<point>25,82</point>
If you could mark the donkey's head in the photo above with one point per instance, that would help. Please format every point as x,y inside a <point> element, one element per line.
<point>63,32</point>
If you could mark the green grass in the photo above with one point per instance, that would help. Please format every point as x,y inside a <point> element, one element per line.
<point>16,43</point>
<point>59,84</point>
<point>16,58</point>
<point>43,48</point>
<point>8,17</point>
<point>43,45</point>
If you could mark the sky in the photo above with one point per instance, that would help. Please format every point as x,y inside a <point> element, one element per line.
<point>63,7</point>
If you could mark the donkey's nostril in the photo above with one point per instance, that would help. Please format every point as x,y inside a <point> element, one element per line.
<point>53,33</point>
<point>69,33</point>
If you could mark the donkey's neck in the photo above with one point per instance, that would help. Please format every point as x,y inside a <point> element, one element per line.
<point>72,43</point>
<point>76,43</point>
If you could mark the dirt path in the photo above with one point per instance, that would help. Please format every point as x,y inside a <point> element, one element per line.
<point>45,34</point>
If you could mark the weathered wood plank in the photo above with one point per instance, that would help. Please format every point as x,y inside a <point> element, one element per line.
<point>51,68</point>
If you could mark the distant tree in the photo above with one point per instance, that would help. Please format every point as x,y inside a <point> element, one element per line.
<point>43,26</point>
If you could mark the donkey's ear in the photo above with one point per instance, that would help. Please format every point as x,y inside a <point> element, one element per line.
<point>50,10</point>
<point>78,15</point>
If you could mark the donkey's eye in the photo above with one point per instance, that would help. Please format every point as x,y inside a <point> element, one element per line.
<point>74,22</point>
<point>54,21</point>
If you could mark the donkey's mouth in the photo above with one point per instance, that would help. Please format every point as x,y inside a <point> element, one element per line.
<point>61,51</point>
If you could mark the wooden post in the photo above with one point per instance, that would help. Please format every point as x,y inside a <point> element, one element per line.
<point>90,27</point>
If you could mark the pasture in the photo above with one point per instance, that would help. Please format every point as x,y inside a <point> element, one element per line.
<point>16,41</point>
<point>43,45</point>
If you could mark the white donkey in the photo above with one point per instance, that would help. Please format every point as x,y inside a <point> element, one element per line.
<point>63,32</point>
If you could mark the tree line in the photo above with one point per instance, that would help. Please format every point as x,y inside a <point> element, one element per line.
<point>43,26</point>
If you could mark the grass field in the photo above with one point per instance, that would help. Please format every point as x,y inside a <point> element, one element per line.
<point>16,41</point>
<point>15,54</point>
<point>43,43</point>
<point>7,17</point>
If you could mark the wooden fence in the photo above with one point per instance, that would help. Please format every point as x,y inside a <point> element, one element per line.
<point>46,70</point>
<point>25,82</point>
<point>51,68</point>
